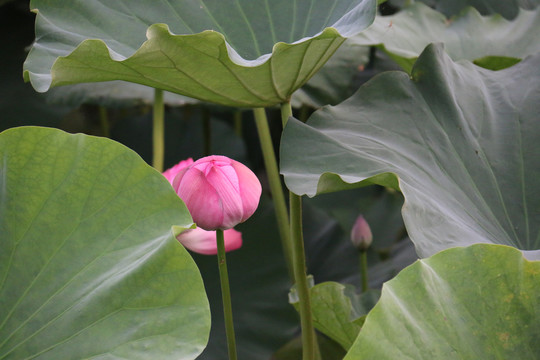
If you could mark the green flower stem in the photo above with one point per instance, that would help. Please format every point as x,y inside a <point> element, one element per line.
<point>226,295</point>
<point>309,339</point>
<point>158,133</point>
<point>276,189</point>
<point>310,345</point>
<point>364,270</point>
<point>104,121</point>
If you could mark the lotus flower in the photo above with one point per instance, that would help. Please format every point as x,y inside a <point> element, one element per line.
<point>199,240</point>
<point>219,192</point>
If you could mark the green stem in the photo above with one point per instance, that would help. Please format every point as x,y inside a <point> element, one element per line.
<point>310,345</point>
<point>286,113</point>
<point>104,120</point>
<point>238,123</point>
<point>276,189</point>
<point>158,133</point>
<point>226,295</point>
<point>309,340</point>
<point>364,270</point>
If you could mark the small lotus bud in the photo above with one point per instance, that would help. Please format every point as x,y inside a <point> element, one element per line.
<point>361,236</point>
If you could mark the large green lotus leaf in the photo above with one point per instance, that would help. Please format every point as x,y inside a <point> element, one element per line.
<point>89,266</point>
<point>479,302</point>
<point>508,8</point>
<point>240,53</point>
<point>334,82</point>
<point>461,143</point>
<point>468,36</point>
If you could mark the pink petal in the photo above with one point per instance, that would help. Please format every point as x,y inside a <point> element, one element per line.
<point>200,198</point>
<point>206,163</point>
<point>225,182</point>
<point>171,173</point>
<point>250,189</point>
<point>204,242</point>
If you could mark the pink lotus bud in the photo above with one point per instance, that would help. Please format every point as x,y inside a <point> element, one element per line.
<point>219,192</point>
<point>171,173</point>
<point>361,236</point>
<point>204,242</point>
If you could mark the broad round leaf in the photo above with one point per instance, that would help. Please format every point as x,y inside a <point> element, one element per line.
<point>89,266</point>
<point>479,302</point>
<point>239,53</point>
<point>468,36</point>
<point>461,142</point>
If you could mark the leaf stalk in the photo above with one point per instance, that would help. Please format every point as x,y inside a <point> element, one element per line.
<point>158,131</point>
<point>276,189</point>
<point>310,346</point>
